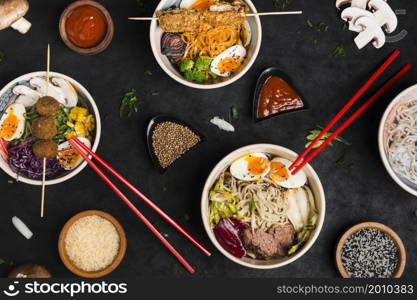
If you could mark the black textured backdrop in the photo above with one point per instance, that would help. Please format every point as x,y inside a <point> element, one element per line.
<point>363,193</point>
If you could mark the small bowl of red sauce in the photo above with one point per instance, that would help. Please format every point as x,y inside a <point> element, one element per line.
<point>275,95</point>
<point>86,27</point>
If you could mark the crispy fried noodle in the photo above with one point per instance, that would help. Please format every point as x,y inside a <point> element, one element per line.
<point>211,42</point>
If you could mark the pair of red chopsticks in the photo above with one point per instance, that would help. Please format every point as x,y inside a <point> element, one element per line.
<point>301,161</point>
<point>79,147</point>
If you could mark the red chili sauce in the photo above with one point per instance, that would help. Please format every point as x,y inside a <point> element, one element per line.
<point>277,96</point>
<point>86,27</point>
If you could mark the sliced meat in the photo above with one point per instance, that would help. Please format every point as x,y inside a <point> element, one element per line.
<point>271,244</point>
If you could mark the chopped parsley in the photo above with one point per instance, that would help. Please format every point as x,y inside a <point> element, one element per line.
<point>128,104</point>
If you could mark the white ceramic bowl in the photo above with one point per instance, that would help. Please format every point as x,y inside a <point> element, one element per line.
<point>89,101</point>
<point>405,96</point>
<point>313,181</point>
<point>156,32</point>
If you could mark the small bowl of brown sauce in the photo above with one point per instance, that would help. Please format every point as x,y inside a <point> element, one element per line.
<point>86,27</point>
<point>275,95</point>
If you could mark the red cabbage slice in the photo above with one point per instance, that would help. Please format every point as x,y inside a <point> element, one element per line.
<point>227,233</point>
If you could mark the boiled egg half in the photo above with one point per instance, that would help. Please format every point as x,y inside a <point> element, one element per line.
<point>228,61</point>
<point>282,176</point>
<point>250,167</point>
<point>12,122</point>
<point>68,156</point>
<point>197,4</point>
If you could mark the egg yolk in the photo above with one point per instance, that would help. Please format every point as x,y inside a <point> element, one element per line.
<point>228,64</point>
<point>9,126</point>
<point>278,171</point>
<point>202,4</point>
<point>257,165</point>
<point>68,157</point>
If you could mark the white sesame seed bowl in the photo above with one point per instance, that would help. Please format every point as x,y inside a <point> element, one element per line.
<point>341,260</point>
<point>313,182</point>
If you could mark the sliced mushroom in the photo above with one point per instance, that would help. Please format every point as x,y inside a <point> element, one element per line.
<point>384,15</point>
<point>353,3</point>
<point>27,96</point>
<point>351,14</point>
<point>40,85</point>
<point>70,94</point>
<point>11,14</point>
<point>372,33</point>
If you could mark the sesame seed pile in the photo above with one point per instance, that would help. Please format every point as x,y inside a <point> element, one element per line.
<point>171,140</point>
<point>370,253</point>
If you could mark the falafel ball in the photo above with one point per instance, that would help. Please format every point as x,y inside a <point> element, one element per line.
<point>47,106</point>
<point>44,128</point>
<point>45,149</point>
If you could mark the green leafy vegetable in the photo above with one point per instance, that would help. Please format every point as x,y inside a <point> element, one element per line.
<point>128,104</point>
<point>233,113</point>
<point>61,120</point>
<point>338,51</point>
<point>315,132</point>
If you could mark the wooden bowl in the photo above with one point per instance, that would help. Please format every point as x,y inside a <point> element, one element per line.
<point>397,241</point>
<point>107,38</point>
<point>71,266</point>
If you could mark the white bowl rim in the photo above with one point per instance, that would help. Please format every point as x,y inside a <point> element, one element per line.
<point>215,85</point>
<point>91,101</point>
<point>299,253</point>
<point>382,154</point>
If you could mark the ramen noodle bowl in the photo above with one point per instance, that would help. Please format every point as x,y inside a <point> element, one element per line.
<point>397,136</point>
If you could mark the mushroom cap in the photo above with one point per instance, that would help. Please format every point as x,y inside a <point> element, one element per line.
<point>11,11</point>
<point>385,13</point>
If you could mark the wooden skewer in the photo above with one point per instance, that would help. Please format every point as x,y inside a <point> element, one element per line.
<point>272,13</point>
<point>48,64</point>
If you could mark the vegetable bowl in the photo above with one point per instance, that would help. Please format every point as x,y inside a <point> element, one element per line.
<point>205,55</point>
<point>38,119</point>
<point>256,212</point>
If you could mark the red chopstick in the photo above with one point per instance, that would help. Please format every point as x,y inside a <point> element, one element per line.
<point>364,106</point>
<point>355,97</point>
<point>133,208</point>
<point>142,196</point>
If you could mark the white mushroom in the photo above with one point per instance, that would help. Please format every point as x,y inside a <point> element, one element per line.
<point>353,3</point>
<point>27,96</point>
<point>351,14</point>
<point>384,15</point>
<point>372,32</point>
<point>11,14</point>
<point>55,92</point>
<point>70,94</point>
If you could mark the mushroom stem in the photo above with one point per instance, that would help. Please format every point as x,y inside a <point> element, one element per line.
<point>22,25</point>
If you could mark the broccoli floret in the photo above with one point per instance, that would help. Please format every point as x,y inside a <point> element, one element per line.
<point>195,75</point>
<point>186,65</point>
<point>203,64</point>
<point>199,76</point>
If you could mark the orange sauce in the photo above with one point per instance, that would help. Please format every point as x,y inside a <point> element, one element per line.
<point>86,27</point>
<point>257,165</point>
<point>203,4</point>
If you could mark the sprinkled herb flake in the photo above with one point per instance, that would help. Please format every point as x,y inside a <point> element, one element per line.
<point>148,73</point>
<point>370,253</point>
<point>339,51</point>
<point>233,113</point>
<point>155,93</point>
<point>281,4</point>
<point>128,104</point>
